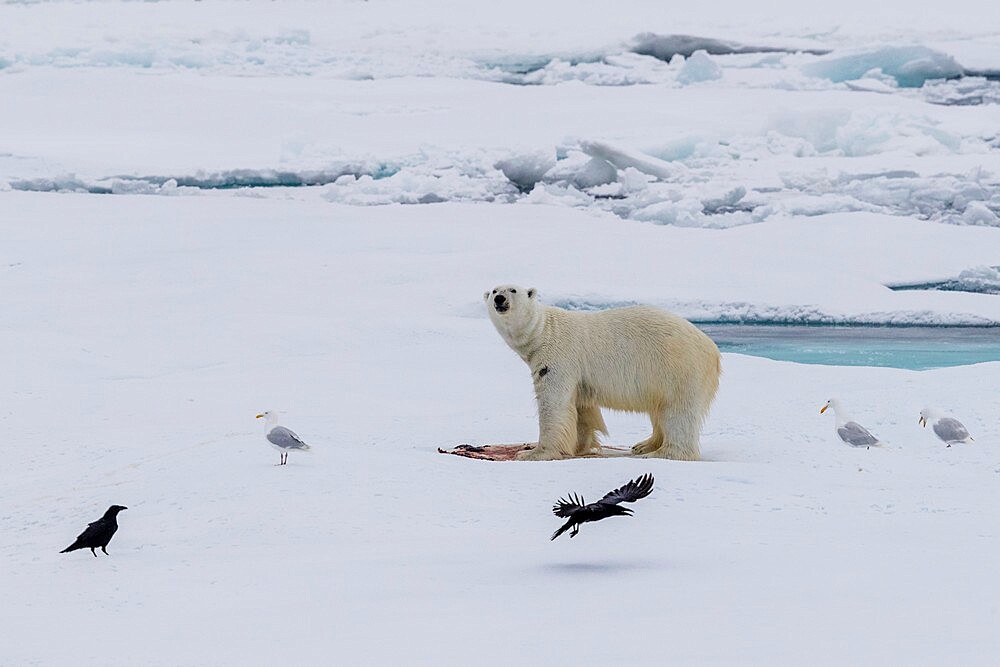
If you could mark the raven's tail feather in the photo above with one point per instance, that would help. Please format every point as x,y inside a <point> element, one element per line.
<point>562,529</point>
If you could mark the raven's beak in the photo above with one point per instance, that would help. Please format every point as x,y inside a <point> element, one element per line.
<point>823,409</point>
<point>259,417</point>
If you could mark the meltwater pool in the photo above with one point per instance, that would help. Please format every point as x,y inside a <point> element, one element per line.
<point>915,348</point>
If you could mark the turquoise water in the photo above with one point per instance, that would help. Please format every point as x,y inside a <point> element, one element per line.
<point>915,348</point>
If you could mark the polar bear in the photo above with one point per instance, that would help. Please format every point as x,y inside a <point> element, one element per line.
<point>635,359</point>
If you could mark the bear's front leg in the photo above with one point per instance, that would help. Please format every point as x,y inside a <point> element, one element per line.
<point>654,442</point>
<point>646,447</point>
<point>535,454</point>
<point>557,432</point>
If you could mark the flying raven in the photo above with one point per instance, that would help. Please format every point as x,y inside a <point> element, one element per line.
<point>573,507</point>
<point>99,533</point>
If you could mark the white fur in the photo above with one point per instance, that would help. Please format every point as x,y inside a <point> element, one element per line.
<point>636,359</point>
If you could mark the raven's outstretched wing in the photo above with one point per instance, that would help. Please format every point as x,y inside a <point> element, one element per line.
<point>568,506</point>
<point>631,492</point>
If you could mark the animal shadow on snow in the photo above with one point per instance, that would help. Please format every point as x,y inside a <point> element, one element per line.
<point>602,567</point>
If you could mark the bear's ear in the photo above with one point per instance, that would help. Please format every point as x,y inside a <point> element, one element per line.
<point>486,295</point>
<point>532,292</point>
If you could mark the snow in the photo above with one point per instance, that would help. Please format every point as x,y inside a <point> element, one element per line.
<point>212,208</point>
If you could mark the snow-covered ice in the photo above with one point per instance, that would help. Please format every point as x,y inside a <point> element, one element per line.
<point>910,66</point>
<point>698,67</point>
<point>209,208</point>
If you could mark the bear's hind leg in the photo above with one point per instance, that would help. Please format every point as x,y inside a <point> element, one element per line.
<point>589,422</point>
<point>682,434</point>
<point>653,442</point>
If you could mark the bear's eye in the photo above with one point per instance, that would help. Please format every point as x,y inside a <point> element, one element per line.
<point>494,291</point>
<point>513,291</point>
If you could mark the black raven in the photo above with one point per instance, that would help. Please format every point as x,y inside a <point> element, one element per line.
<point>99,533</point>
<point>573,507</point>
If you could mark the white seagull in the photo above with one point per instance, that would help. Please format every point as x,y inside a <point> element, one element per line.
<point>948,429</point>
<point>850,432</point>
<point>281,438</point>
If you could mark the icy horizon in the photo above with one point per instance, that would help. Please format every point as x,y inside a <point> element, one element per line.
<point>862,136</point>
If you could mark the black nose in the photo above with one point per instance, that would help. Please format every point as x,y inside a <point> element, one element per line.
<point>499,299</point>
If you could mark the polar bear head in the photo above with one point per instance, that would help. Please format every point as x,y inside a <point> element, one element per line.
<point>506,298</point>
<point>514,311</point>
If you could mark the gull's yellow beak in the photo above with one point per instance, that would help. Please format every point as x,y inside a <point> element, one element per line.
<point>823,409</point>
<point>922,421</point>
<point>259,417</point>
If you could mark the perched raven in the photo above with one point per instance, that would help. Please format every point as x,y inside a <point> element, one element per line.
<point>99,533</point>
<point>573,507</point>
